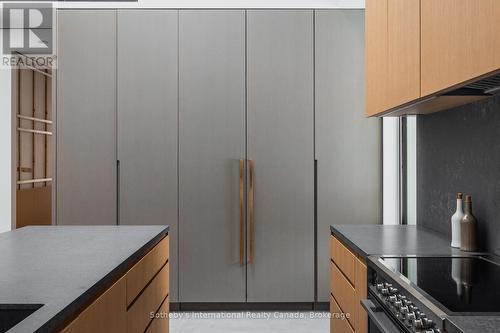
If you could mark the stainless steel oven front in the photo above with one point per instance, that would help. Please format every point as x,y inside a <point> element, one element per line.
<point>395,305</point>
<point>378,320</point>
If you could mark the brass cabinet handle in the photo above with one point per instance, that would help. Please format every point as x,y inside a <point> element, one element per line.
<point>250,210</point>
<point>242,212</point>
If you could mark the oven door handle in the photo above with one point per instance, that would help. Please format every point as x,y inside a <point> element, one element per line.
<point>379,317</point>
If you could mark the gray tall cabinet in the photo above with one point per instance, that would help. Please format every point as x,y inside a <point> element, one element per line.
<point>117,120</point>
<point>241,103</point>
<point>147,122</point>
<point>280,95</point>
<point>233,127</point>
<point>86,118</point>
<point>211,145</point>
<point>348,146</point>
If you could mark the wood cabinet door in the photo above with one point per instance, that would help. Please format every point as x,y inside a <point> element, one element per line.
<point>460,41</point>
<point>376,36</point>
<point>107,314</point>
<point>338,322</point>
<point>392,54</point>
<point>149,301</point>
<point>403,53</point>
<point>361,294</point>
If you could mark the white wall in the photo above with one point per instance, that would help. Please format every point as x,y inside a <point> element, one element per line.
<point>411,160</point>
<point>5,147</point>
<point>390,170</point>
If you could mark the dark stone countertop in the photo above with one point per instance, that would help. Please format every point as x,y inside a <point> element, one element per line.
<point>393,240</point>
<point>66,267</point>
<point>369,240</point>
<point>473,324</point>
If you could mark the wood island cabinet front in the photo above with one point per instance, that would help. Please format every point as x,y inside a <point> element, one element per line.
<point>138,302</point>
<point>348,286</point>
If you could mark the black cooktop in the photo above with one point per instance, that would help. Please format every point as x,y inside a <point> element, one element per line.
<point>459,284</point>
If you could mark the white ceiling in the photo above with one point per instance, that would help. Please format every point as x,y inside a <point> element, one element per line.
<point>316,4</point>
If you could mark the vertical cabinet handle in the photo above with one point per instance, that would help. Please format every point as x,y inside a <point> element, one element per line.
<point>242,212</point>
<point>250,210</point>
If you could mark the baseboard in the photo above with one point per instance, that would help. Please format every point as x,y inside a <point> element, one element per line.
<point>322,306</point>
<point>305,306</point>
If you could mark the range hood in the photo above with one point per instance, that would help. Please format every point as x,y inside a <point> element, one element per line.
<point>465,93</point>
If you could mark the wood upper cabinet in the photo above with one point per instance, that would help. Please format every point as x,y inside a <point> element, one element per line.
<point>460,41</point>
<point>376,37</point>
<point>403,53</point>
<point>392,33</point>
<point>419,48</point>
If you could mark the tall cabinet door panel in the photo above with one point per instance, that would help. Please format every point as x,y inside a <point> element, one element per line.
<point>347,146</point>
<point>147,122</point>
<point>211,144</point>
<point>280,144</point>
<point>86,117</point>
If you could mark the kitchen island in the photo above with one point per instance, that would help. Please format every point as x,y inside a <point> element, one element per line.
<point>61,275</point>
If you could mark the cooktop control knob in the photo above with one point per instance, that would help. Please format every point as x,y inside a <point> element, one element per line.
<point>403,309</point>
<point>417,323</point>
<point>379,286</point>
<point>411,316</point>
<point>384,291</point>
<point>387,285</point>
<point>412,308</point>
<point>428,323</point>
<point>398,304</point>
<point>407,302</point>
<point>393,290</point>
<point>392,298</point>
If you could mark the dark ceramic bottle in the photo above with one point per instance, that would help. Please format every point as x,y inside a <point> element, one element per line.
<point>468,228</point>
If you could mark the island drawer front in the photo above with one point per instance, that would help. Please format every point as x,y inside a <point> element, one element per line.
<point>344,259</point>
<point>338,324</point>
<point>139,313</point>
<point>107,314</point>
<point>160,324</point>
<point>140,275</point>
<point>361,293</point>
<point>344,293</point>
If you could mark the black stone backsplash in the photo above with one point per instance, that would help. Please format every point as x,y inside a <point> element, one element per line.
<point>459,151</point>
